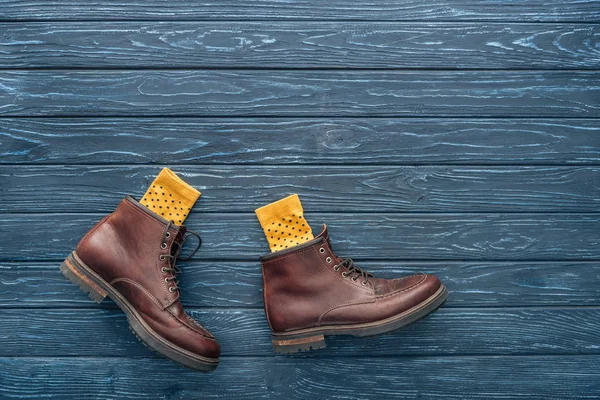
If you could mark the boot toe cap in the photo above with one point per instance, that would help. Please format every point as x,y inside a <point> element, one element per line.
<point>413,290</point>
<point>199,340</point>
<point>420,282</point>
<point>427,288</point>
<point>197,343</point>
<point>210,347</point>
<point>184,332</point>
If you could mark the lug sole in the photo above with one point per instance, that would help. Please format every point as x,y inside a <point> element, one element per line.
<point>314,338</point>
<point>98,289</point>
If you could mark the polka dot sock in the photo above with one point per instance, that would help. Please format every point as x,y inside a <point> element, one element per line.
<point>170,197</point>
<point>283,223</point>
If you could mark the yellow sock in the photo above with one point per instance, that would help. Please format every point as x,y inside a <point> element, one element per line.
<point>284,224</point>
<point>170,197</point>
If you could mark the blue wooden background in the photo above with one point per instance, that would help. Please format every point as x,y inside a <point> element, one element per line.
<point>455,137</point>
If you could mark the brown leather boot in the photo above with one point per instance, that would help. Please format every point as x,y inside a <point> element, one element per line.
<point>130,256</point>
<point>310,293</point>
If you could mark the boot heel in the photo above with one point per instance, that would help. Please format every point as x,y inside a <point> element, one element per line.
<point>286,346</point>
<point>72,272</point>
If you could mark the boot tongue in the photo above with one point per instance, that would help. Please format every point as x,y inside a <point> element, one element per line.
<point>180,233</point>
<point>323,234</point>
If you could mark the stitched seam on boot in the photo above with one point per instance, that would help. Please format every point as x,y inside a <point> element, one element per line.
<point>350,303</point>
<point>195,325</point>
<point>126,280</point>
<point>139,286</point>
<point>424,277</point>
<point>188,327</point>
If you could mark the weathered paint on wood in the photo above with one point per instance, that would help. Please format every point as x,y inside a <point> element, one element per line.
<point>461,136</point>
<point>350,378</point>
<point>256,10</point>
<point>299,45</point>
<point>246,333</point>
<point>301,93</point>
<point>239,284</point>
<point>322,188</point>
<point>277,141</point>
<point>372,236</point>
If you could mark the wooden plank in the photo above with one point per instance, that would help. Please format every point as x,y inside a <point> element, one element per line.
<point>526,236</point>
<point>322,189</point>
<point>300,93</point>
<point>372,10</point>
<point>413,141</point>
<point>105,333</point>
<point>501,377</point>
<point>239,284</point>
<point>298,45</point>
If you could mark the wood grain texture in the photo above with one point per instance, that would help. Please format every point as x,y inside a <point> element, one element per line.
<point>321,188</point>
<point>371,10</point>
<point>491,377</point>
<point>456,138</point>
<point>299,45</point>
<point>300,93</point>
<point>246,333</point>
<point>543,237</point>
<point>413,141</point>
<point>239,284</point>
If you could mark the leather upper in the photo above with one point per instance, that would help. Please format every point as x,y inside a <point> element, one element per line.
<point>126,249</point>
<point>302,289</point>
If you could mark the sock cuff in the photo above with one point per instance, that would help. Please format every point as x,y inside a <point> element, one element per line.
<point>170,197</point>
<point>283,223</point>
<point>279,209</point>
<point>177,186</point>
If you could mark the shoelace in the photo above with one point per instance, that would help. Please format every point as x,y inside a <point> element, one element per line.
<point>173,270</point>
<point>353,271</point>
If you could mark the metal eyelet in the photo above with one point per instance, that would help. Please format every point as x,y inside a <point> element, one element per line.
<point>364,283</point>
<point>162,257</point>
<point>168,235</point>
<point>163,270</point>
<point>172,289</point>
<point>328,259</point>
<point>354,280</point>
<point>163,246</point>
<point>167,280</point>
<point>336,268</point>
<point>321,250</point>
<point>344,275</point>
